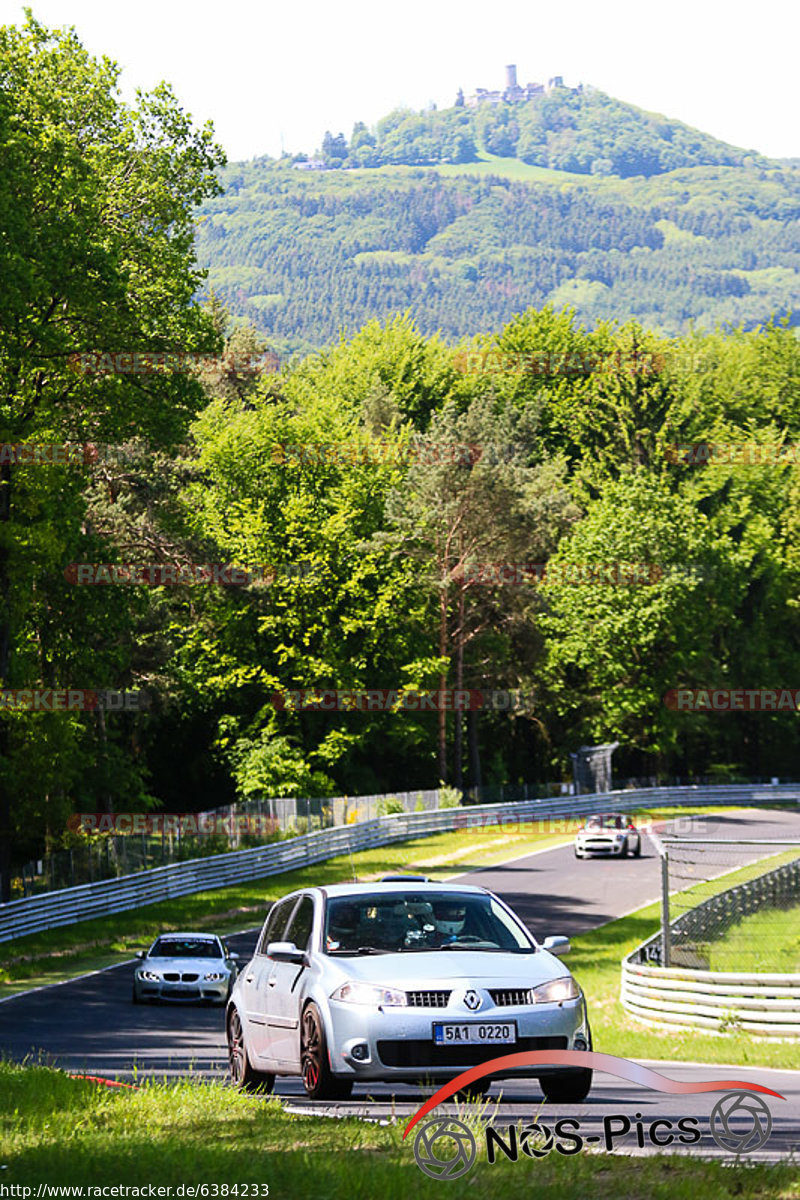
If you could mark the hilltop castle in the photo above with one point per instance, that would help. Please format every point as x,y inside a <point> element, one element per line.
<point>513,92</point>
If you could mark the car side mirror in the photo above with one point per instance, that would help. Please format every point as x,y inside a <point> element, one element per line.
<point>233,956</point>
<point>141,953</point>
<point>557,945</point>
<point>286,952</point>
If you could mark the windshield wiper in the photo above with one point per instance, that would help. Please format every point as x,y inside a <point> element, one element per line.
<point>362,950</point>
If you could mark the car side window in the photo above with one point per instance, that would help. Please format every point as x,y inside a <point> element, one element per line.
<point>301,924</point>
<point>276,923</point>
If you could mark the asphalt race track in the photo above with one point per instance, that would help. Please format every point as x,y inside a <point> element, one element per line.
<point>89,1025</point>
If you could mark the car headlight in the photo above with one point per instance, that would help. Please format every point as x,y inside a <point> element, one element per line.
<point>368,993</point>
<point>150,976</point>
<point>214,976</point>
<point>564,988</point>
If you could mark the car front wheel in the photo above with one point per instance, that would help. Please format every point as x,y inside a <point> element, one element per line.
<point>568,1087</point>
<point>243,1076</point>
<point>318,1079</point>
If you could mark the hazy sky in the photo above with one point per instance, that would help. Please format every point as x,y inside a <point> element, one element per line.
<point>269,73</point>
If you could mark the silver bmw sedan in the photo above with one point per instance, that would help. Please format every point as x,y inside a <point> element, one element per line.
<point>401,982</point>
<point>185,966</point>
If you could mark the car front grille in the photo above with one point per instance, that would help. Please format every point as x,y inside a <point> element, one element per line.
<point>423,1053</point>
<point>428,999</point>
<point>174,977</point>
<point>511,997</point>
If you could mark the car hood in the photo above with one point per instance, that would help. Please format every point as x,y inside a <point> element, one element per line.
<point>447,968</point>
<point>188,965</point>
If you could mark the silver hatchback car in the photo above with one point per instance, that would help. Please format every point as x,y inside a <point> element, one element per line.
<point>393,982</point>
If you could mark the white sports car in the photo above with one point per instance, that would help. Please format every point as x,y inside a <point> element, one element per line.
<point>406,981</point>
<point>608,833</point>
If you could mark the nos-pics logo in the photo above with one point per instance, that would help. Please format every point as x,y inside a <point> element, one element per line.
<point>445,1148</point>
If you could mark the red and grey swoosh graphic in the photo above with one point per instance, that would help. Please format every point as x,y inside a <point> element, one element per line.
<point>622,1067</point>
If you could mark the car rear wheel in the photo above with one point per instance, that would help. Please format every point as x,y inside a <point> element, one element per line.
<point>243,1076</point>
<point>318,1079</point>
<point>568,1087</point>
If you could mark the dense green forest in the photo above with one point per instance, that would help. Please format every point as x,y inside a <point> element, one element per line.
<point>306,256</point>
<point>342,461</point>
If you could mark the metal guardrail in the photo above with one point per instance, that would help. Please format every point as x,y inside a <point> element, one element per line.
<point>52,909</point>
<point>683,996</point>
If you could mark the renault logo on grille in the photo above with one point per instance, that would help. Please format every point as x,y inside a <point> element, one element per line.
<point>472,1000</point>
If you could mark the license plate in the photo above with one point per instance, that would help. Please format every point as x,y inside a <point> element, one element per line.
<point>489,1031</point>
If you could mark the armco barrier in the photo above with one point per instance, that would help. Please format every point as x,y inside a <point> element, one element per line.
<point>35,913</point>
<point>681,997</point>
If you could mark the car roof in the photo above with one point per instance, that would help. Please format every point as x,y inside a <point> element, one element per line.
<point>363,889</point>
<point>179,937</point>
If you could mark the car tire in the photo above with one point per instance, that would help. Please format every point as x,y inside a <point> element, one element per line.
<point>243,1075</point>
<point>638,851</point>
<point>624,851</point>
<point>579,853</point>
<point>135,996</point>
<point>568,1087</point>
<point>318,1080</point>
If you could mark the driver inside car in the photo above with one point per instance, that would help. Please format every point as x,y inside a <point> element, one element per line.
<point>449,918</point>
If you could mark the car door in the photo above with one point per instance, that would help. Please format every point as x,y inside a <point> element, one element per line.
<point>256,976</point>
<point>283,990</point>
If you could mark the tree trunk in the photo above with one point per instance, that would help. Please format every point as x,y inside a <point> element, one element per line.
<point>442,686</point>
<point>458,718</point>
<point>5,658</point>
<point>474,752</point>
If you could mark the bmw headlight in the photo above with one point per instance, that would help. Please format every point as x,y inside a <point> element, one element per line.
<point>557,989</point>
<point>150,976</point>
<point>214,976</point>
<point>369,993</point>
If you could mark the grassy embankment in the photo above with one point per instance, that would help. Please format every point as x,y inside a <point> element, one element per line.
<point>58,1130</point>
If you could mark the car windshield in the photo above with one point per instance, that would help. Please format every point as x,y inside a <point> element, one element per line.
<point>185,948</point>
<point>417,921</point>
<point>607,821</point>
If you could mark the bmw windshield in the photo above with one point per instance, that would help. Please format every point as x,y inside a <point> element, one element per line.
<point>382,923</point>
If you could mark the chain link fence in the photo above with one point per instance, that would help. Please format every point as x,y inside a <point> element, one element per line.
<point>731,905</point>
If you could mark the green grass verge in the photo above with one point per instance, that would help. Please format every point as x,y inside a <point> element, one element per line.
<point>57,1130</point>
<point>764,941</point>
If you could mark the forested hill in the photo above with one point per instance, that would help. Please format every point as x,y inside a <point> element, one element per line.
<point>566,129</point>
<point>463,245</point>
